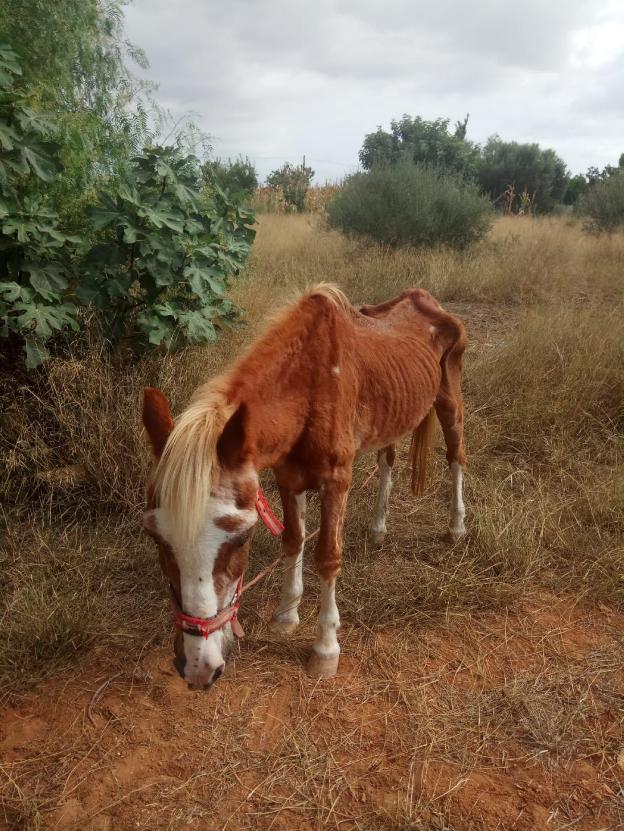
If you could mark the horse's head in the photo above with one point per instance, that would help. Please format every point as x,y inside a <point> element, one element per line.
<point>201,513</point>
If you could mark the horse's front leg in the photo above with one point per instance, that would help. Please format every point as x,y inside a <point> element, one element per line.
<point>328,558</point>
<point>286,617</point>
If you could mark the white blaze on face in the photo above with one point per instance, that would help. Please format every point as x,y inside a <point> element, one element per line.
<point>204,656</point>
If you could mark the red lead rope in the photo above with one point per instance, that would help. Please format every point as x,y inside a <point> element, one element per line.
<point>203,627</point>
<point>266,514</point>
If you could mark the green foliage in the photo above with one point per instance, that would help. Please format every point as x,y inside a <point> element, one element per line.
<point>36,257</point>
<point>74,56</point>
<point>237,177</point>
<point>603,203</point>
<point>423,142</point>
<point>406,203</point>
<point>577,186</point>
<point>595,175</point>
<point>525,167</point>
<point>160,273</point>
<point>164,252</point>
<point>294,181</point>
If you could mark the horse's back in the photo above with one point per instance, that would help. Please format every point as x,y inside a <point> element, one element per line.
<point>416,309</point>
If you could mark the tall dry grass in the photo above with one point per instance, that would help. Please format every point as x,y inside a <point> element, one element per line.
<point>524,261</point>
<point>267,200</point>
<point>545,491</point>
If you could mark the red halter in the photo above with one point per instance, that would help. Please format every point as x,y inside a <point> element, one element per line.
<point>203,627</point>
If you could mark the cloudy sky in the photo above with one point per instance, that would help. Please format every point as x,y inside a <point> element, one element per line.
<point>277,79</point>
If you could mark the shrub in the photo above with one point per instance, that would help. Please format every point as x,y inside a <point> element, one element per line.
<point>161,275</point>
<point>164,253</point>
<point>603,203</point>
<point>36,263</point>
<point>411,204</point>
<point>238,176</point>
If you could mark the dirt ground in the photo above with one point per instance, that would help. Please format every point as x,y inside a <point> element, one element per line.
<point>488,723</point>
<point>505,719</point>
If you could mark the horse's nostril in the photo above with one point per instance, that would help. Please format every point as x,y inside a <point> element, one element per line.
<point>218,673</point>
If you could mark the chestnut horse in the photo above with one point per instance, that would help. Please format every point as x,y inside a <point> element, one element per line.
<point>324,383</point>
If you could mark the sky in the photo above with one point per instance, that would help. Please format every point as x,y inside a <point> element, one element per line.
<point>279,79</point>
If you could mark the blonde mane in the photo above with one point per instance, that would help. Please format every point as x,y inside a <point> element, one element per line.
<point>183,477</point>
<point>182,480</point>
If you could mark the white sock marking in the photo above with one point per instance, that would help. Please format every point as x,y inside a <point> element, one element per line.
<point>458,510</point>
<point>326,643</point>
<point>292,577</point>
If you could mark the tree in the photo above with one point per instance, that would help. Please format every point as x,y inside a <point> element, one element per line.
<point>74,59</point>
<point>577,186</point>
<point>524,167</point>
<point>294,181</point>
<point>238,176</point>
<point>426,142</point>
<point>595,175</point>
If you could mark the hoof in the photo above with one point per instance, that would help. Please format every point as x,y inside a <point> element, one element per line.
<point>283,627</point>
<point>376,538</point>
<point>319,667</point>
<point>455,534</point>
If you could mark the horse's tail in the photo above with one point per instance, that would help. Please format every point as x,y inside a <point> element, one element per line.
<point>422,442</point>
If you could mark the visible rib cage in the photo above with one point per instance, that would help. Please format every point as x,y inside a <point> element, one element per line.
<point>321,384</point>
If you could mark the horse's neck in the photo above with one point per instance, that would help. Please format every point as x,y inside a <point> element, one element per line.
<point>275,427</point>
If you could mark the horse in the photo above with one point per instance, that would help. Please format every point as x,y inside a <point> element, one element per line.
<point>324,383</point>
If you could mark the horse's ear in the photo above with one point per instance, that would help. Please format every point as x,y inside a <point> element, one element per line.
<point>157,419</point>
<point>232,440</point>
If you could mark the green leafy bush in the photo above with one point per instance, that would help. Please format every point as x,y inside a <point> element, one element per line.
<point>405,203</point>
<point>164,254</point>
<point>237,177</point>
<point>36,257</point>
<point>160,273</point>
<point>294,182</point>
<point>603,203</point>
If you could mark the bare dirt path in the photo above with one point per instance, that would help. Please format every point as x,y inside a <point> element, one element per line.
<point>507,721</point>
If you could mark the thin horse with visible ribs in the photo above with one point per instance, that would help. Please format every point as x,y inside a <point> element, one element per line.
<point>323,384</point>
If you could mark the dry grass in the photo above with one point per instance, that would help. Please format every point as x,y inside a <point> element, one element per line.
<point>457,695</point>
<point>545,425</point>
<point>524,261</point>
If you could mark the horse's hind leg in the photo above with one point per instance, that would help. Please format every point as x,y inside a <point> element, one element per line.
<point>449,407</point>
<point>377,526</point>
<point>286,617</point>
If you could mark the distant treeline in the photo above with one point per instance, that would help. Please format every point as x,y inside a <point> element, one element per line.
<point>517,177</point>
